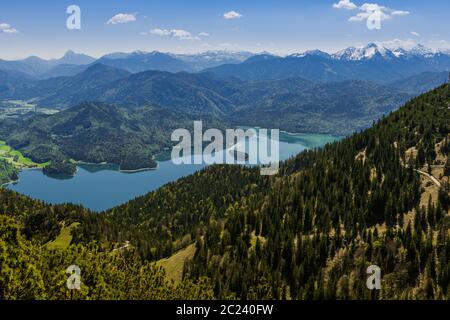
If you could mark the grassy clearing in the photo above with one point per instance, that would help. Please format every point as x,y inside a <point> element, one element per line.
<point>174,264</point>
<point>64,239</point>
<point>16,158</point>
<point>253,239</point>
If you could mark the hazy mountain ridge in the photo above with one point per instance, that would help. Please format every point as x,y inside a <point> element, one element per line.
<point>230,99</point>
<point>421,83</point>
<point>138,61</point>
<point>369,63</point>
<point>37,67</point>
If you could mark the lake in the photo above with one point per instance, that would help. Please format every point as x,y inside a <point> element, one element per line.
<point>100,187</point>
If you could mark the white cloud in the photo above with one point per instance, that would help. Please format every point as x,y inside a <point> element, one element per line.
<point>122,18</point>
<point>232,15</point>
<point>228,45</point>
<point>363,16</point>
<point>415,34</point>
<point>439,44</point>
<point>174,33</point>
<point>400,13</point>
<point>6,28</point>
<point>368,10</point>
<point>371,7</point>
<point>345,4</point>
<point>160,32</point>
<point>398,43</point>
<point>203,34</point>
<point>181,34</point>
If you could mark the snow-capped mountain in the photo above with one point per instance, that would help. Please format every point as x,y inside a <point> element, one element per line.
<point>124,55</point>
<point>400,52</point>
<point>317,53</point>
<point>421,51</point>
<point>373,62</point>
<point>368,52</point>
<point>191,62</point>
<point>373,50</point>
<point>443,51</point>
<point>218,55</point>
<point>117,55</point>
<point>210,59</point>
<point>417,51</point>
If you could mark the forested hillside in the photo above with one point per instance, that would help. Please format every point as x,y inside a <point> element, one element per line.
<point>294,104</point>
<point>96,132</point>
<point>7,172</point>
<point>299,106</point>
<point>420,83</point>
<point>379,197</point>
<point>132,115</point>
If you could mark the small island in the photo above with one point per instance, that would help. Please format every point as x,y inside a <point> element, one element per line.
<point>60,168</point>
<point>137,164</point>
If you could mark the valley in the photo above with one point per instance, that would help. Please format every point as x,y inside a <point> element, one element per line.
<point>106,114</point>
<point>305,234</point>
<point>363,178</point>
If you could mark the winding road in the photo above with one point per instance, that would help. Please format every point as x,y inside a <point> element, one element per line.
<point>429,176</point>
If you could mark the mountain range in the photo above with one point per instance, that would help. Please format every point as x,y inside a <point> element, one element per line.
<point>309,92</point>
<point>36,67</point>
<point>372,62</point>
<point>294,104</point>
<point>72,63</point>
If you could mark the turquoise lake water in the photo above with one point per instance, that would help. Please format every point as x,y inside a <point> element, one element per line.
<point>100,187</point>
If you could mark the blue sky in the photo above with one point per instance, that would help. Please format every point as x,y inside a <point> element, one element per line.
<point>30,27</point>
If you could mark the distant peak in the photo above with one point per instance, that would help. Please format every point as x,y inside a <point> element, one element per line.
<point>420,48</point>
<point>139,52</point>
<point>366,52</point>
<point>33,58</point>
<point>373,45</point>
<point>72,57</point>
<point>315,52</point>
<point>69,53</point>
<point>417,50</point>
<point>100,66</point>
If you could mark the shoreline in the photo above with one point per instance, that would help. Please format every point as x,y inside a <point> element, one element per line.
<point>117,166</point>
<point>139,170</point>
<point>85,163</point>
<point>336,135</point>
<point>17,180</point>
<point>8,183</point>
<point>130,171</point>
